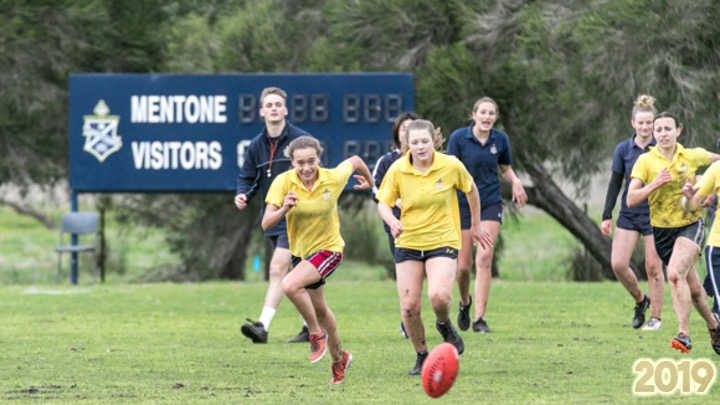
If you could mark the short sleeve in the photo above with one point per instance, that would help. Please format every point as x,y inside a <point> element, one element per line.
<point>617,161</point>
<point>640,170</point>
<point>702,157</point>
<point>465,180</point>
<point>453,146</point>
<point>505,157</point>
<point>388,192</point>
<point>344,170</point>
<point>710,181</point>
<point>278,190</point>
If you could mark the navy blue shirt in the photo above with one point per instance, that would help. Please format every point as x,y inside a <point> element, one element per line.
<point>481,161</point>
<point>624,158</point>
<point>259,170</point>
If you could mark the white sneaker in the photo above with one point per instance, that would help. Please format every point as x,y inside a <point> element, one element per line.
<point>653,324</point>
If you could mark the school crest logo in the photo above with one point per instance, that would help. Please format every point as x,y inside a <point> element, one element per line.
<point>440,185</point>
<point>493,149</point>
<point>327,195</point>
<point>100,132</point>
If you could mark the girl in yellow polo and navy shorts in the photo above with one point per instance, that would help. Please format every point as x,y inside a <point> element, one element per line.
<point>427,234</point>
<point>308,197</point>
<point>659,176</point>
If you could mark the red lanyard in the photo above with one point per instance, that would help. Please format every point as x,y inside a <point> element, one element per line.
<point>273,147</point>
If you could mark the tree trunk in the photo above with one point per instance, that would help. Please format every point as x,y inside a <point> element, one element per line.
<point>546,195</point>
<point>31,212</point>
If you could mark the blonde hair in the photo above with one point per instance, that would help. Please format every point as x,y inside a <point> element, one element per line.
<point>272,90</point>
<point>644,103</point>
<point>435,133</point>
<point>302,142</point>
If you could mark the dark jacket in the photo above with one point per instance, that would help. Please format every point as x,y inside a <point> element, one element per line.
<point>258,171</point>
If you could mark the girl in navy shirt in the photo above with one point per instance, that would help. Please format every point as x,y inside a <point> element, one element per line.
<point>633,223</point>
<point>483,150</point>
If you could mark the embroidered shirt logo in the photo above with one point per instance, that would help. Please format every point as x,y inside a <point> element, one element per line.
<point>493,149</point>
<point>327,195</point>
<point>440,185</point>
<point>100,132</point>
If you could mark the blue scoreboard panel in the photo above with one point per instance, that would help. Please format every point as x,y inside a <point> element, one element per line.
<point>166,133</point>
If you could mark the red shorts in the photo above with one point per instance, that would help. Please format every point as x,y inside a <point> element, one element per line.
<point>325,261</point>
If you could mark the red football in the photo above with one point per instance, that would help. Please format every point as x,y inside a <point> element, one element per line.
<point>440,370</point>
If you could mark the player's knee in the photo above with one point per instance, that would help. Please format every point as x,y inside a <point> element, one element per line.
<point>440,298</point>
<point>289,287</point>
<point>277,272</point>
<point>463,270</point>
<point>618,266</point>
<point>411,310</point>
<point>484,260</point>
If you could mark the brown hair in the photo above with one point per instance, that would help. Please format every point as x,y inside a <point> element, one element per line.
<point>302,142</point>
<point>486,100</point>
<point>272,90</point>
<point>666,114</point>
<point>396,126</point>
<point>435,133</point>
<point>644,103</point>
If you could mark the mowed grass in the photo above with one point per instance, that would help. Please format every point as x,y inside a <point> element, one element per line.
<point>180,343</point>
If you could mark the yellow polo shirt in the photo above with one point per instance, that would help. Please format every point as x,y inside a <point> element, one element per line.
<point>312,225</point>
<point>430,214</point>
<point>665,203</point>
<point>710,183</point>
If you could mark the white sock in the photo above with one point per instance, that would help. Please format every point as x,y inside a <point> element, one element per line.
<point>266,317</point>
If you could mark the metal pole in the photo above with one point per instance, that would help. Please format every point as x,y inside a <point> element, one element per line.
<point>74,242</point>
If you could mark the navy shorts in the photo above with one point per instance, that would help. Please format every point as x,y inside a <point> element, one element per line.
<point>635,222</point>
<point>665,238</point>
<point>279,241</point>
<point>402,254</point>
<point>487,213</point>
<point>712,259</point>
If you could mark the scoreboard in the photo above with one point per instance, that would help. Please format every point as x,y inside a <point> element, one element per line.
<point>168,133</point>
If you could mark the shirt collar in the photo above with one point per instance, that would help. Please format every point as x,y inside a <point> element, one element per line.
<point>653,142</point>
<point>322,177</point>
<point>406,166</point>
<point>469,133</point>
<point>679,150</point>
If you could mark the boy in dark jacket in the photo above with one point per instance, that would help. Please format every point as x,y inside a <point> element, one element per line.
<point>265,158</point>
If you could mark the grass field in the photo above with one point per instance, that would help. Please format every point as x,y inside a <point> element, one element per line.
<point>180,343</point>
<point>128,342</point>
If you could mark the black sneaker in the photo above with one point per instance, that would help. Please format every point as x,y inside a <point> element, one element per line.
<point>417,370</point>
<point>450,335</point>
<point>640,310</point>
<point>715,335</point>
<point>302,337</point>
<point>255,331</point>
<point>463,318</point>
<point>403,332</point>
<point>681,342</point>
<point>480,326</point>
